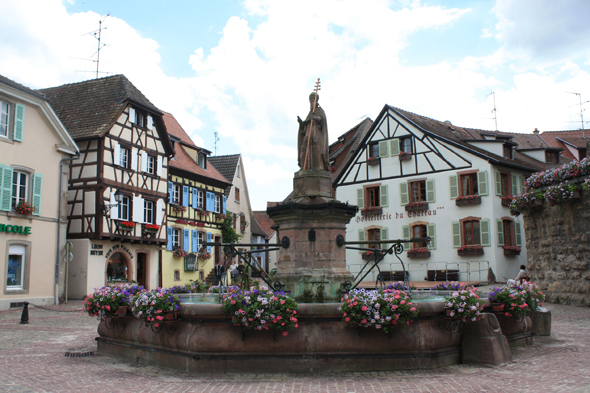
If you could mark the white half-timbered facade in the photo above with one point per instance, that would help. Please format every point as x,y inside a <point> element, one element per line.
<point>118,187</point>
<point>415,177</point>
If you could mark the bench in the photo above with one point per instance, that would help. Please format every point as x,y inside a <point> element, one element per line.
<point>392,276</point>
<point>443,275</point>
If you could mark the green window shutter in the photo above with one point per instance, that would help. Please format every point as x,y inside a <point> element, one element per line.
<point>454,186</point>
<point>406,236</point>
<point>361,239</point>
<point>395,147</point>
<point>521,178</point>
<point>484,229</point>
<point>518,233</point>
<point>383,149</point>
<point>431,232</point>
<point>403,193</point>
<point>430,194</point>
<point>360,197</point>
<point>500,228</point>
<point>19,122</point>
<point>482,179</point>
<point>456,225</point>
<point>5,188</point>
<point>514,185</point>
<point>384,236</point>
<point>384,199</point>
<point>37,189</point>
<point>498,177</point>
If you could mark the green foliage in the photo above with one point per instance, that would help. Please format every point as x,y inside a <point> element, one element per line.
<point>228,233</point>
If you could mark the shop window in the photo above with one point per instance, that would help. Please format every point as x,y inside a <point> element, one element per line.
<point>117,269</point>
<point>16,267</point>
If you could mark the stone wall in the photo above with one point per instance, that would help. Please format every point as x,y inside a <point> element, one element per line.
<point>558,248</point>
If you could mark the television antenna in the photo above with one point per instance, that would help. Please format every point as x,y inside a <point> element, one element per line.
<point>581,111</point>
<point>97,34</point>
<point>493,94</point>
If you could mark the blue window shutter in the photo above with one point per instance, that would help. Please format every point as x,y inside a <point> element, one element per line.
<point>195,241</point>
<point>209,240</point>
<point>195,198</point>
<point>170,191</point>
<point>19,123</point>
<point>6,187</point>
<point>169,246</point>
<point>210,201</point>
<point>224,204</point>
<point>186,242</point>
<point>185,194</point>
<point>37,189</point>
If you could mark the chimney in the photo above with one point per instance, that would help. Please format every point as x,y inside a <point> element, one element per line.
<point>536,132</point>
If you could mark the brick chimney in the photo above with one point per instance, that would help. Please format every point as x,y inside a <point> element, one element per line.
<point>536,132</point>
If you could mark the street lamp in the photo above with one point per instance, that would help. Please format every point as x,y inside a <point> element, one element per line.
<point>106,207</point>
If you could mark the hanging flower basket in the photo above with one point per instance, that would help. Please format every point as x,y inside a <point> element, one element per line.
<point>470,250</point>
<point>468,200</point>
<point>373,160</point>
<point>371,211</point>
<point>416,206</point>
<point>405,156</point>
<point>416,253</point>
<point>25,208</point>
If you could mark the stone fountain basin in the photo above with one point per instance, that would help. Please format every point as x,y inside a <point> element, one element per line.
<point>204,341</point>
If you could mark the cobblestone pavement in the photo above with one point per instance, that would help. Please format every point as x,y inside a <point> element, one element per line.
<point>32,359</point>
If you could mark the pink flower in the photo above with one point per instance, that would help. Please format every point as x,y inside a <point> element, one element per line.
<point>412,308</point>
<point>364,308</point>
<point>296,325</point>
<point>285,333</point>
<point>282,302</point>
<point>159,317</point>
<point>156,325</point>
<point>347,319</point>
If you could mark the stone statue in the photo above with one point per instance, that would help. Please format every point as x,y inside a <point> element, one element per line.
<point>313,142</point>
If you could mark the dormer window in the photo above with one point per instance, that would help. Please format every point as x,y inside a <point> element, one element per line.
<point>202,160</point>
<point>507,150</point>
<point>551,157</point>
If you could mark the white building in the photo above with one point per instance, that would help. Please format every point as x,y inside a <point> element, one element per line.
<point>450,183</point>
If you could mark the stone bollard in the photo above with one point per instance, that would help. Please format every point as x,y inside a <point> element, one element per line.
<point>541,322</point>
<point>24,318</point>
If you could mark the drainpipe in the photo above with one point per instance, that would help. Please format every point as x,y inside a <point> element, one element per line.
<point>61,165</point>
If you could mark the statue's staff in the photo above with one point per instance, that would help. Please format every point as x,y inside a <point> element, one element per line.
<point>315,102</point>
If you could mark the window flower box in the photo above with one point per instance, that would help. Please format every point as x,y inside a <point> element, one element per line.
<point>506,200</point>
<point>126,226</point>
<point>373,160</point>
<point>470,250</point>
<point>204,255</point>
<point>366,255</point>
<point>151,228</point>
<point>23,207</point>
<point>177,208</point>
<point>405,156</point>
<point>179,253</point>
<point>371,211</point>
<point>416,206</point>
<point>511,250</point>
<point>416,253</point>
<point>468,200</point>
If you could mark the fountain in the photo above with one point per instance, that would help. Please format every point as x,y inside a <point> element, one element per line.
<point>311,265</point>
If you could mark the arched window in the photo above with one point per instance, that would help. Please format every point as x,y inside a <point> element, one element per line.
<point>117,269</point>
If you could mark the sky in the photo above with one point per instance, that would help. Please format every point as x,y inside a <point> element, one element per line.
<point>242,70</point>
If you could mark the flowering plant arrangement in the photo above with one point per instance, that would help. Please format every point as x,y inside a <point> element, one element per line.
<point>261,310</point>
<point>23,207</point>
<point>204,255</point>
<point>151,227</point>
<point>533,295</point>
<point>202,212</point>
<point>398,286</point>
<point>475,247</point>
<point>513,299</point>
<point>372,159</point>
<point>377,308</point>
<point>179,253</point>
<point>467,197</point>
<point>511,248</point>
<point>201,224</point>
<point>450,286</point>
<point>416,204</point>
<point>405,154</point>
<point>507,197</point>
<point>126,224</point>
<point>153,305</point>
<point>221,216</point>
<point>332,169</point>
<point>571,170</point>
<point>523,202</point>
<point>103,303</point>
<point>366,254</point>
<point>177,208</point>
<point>371,208</point>
<point>464,304</point>
<point>180,289</point>
<point>560,193</point>
<point>419,250</point>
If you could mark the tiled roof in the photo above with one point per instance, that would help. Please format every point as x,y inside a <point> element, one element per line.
<point>175,129</point>
<point>264,221</point>
<point>256,229</point>
<point>349,148</point>
<point>20,87</point>
<point>89,108</point>
<point>182,160</point>
<point>226,165</point>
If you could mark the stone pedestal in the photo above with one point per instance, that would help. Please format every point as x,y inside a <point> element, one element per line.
<point>541,322</point>
<point>312,184</point>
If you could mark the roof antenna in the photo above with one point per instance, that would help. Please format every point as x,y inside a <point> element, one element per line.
<point>493,93</point>
<point>96,34</point>
<point>216,140</point>
<point>581,111</point>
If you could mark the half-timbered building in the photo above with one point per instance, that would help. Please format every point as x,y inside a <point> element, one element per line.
<point>118,187</point>
<point>414,177</point>
<point>196,210</point>
<point>35,150</point>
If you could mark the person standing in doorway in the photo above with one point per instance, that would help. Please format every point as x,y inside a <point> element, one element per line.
<point>219,270</point>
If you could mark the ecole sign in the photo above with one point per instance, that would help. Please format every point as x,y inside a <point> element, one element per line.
<point>15,229</point>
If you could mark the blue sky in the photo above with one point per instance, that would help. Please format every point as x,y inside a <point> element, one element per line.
<point>244,69</point>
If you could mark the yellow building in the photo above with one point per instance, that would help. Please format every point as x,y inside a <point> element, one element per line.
<point>196,211</point>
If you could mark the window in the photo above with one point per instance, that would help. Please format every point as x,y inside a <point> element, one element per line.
<point>505,183</point>
<point>117,270</point>
<point>148,212</point>
<point>200,200</point>
<point>176,194</point>
<point>237,194</point>
<point>405,144</point>
<point>190,262</point>
<point>419,231</point>
<point>151,165</point>
<point>551,157</point>
<point>468,184</point>
<point>201,236</point>
<point>471,233</point>
<point>507,229</point>
<point>176,236</point>
<point>201,160</point>
<point>374,150</point>
<point>4,119</point>
<point>238,171</point>
<point>176,275</point>
<point>507,151</point>
<point>124,162</point>
<point>217,203</point>
<point>124,209</point>
<point>509,232</point>
<point>16,267</point>
<point>374,234</point>
<point>20,185</point>
<point>418,191</point>
<point>372,196</point>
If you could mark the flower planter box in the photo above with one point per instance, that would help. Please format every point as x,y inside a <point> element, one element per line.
<point>170,316</point>
<point>417,208</point>
<point>510,253</point>
<point>366,257</point>
<point>121,311</point>
<point>470,252</point>
<point>374,161</point>
<point>498,308</point>
<point>417,255</point>
<point>506,202</point>
<point>372,212</point>
<point>126,229</point>
<point>405,157</point>
<point>475,200</point>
